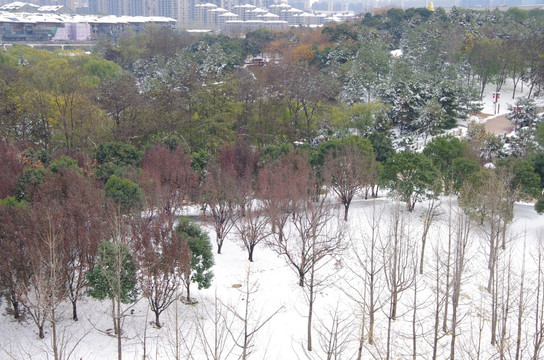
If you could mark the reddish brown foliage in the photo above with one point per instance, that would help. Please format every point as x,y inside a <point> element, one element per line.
<point>163,258</point>
<point>11,169</point>
<point>168,180</point>
<point>281,185</point>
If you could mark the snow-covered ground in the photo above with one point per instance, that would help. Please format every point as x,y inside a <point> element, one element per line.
<point>274,289</point>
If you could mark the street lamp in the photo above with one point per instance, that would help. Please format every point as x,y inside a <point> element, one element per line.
<point>496,96</point>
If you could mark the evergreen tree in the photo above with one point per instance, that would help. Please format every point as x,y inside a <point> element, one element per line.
<point>201,255</point>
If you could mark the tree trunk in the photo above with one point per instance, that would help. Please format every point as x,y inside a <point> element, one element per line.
<point>219,242</point>
<point>16,309</point>
<point>437,312</point>
<point>41,334</point>
<point>157,319</point>
<point>414,318</point>
<point>371,314</point>
<point>113,316</point>
<point>447,290</point>
<point>56,355</point>
<point>74,310</point>
<point>310,309</point>
<point>388,350</point>
<point>187,287</point>
<point>250,252</point>
<point>346,209</point>
<point>520,309</point>
<point>119,347</point>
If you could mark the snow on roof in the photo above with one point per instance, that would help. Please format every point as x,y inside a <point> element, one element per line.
<point>16,5</point>
<point>50,8</point>
<point>159,19</point>
<point>228,14</point>
<point>44,19</point>
<point>281,6</point>
<point>270,15</point>
<point>32,18</point>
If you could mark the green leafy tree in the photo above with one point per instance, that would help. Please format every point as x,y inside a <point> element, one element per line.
<point>444,152</point>
<point>116,158</point>
<point>201,255</point>
<point>114,277</point>
<point>484,57</point>
<point>539,206</point>
<point>114,274</point>
<point>521,180</point>
<point>64,162</point>
<point>382,144</point>
<point>411,176</point>
<point>462,169</point>
<point>537,161</point>
<point>125,194</point>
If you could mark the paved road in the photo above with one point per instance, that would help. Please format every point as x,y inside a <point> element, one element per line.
<point>498,125</point>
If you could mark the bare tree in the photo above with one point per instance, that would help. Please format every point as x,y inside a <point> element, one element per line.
<point>439,299</point>
<point>214,342</point>
<point>483,199</point>
<point>501,304</point>
<point>181,333</point>
<point>245,338</point>
<point>335,333</point>
<point>398,265</point>
<point>430,214</point>
<point>522,304</point>
<point>367,268</point>
<point>538,335</point>
<point>304,91</point>
<point>252,229</point>
<point>43,247</point>
<point>219,198</point>
<point>313,238</point>
<point>462,236</point>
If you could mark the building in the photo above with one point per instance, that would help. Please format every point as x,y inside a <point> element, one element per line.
<point>67,27</point>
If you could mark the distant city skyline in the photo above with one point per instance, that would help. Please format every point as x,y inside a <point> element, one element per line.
<point>184,10</point>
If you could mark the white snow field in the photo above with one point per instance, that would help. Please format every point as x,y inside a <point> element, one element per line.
<point>275,288</point>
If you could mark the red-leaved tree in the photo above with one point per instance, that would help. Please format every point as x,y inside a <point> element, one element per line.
<point>11,169</point>
<point>281,184</point>
<point>168,180</point>
<point>163,257</point>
